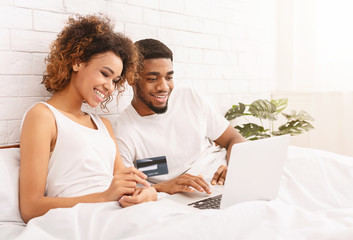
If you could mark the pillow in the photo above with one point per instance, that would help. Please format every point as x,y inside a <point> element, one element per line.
<point>9,180</point>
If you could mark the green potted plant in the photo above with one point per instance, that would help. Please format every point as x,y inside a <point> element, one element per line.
<point>263,111</point>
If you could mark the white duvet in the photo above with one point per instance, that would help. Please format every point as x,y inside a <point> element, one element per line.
<point>315,202</point>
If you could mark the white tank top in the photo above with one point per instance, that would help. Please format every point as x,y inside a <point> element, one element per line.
<point>82,161</point>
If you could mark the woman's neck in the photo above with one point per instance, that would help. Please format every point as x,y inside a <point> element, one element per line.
<point>67,102</point>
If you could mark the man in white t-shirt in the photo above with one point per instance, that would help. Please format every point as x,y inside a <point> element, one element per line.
<point>176,123</point>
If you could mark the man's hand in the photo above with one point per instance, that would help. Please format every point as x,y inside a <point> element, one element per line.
<point>219,176</point>
<point>183,183</point>
<point>139,196</point>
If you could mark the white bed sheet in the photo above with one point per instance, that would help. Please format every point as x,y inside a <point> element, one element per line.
<point>11,230</point>
<point>315,202</point>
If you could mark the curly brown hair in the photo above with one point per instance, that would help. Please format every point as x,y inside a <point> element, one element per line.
<point>82,38</point>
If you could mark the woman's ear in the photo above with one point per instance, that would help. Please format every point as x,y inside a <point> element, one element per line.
<point>76,65</point>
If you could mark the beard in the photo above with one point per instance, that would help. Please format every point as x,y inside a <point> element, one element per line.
<point>158,110</point>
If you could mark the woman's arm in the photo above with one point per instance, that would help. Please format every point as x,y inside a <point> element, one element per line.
<point>38,137</point>
<point>37,134</point>
<point>140,194</point>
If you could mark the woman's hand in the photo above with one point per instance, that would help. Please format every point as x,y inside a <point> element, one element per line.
<point>139,196</point>
<point>124,183</point>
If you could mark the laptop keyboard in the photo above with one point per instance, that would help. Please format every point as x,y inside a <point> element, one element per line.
<point>208,203</point>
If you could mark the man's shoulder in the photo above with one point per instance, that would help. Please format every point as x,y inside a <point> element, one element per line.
<point>124,114</point>
<point>186,92</point>
<point>183,90</point>
<point>124,119</point>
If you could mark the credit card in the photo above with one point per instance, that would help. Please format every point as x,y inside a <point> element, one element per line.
<point>153,166</point>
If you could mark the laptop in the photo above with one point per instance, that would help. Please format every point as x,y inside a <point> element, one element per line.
<point>254,173</point>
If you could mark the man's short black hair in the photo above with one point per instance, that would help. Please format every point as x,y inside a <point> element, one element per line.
<point>152,48</point>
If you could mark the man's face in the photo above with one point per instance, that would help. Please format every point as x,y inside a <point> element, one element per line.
<point>152,91</point>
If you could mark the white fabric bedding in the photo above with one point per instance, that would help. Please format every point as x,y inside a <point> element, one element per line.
<point>315,202</point>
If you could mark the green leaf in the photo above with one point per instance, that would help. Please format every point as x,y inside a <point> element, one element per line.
<point>297,122</point>
<point>280,104</point>
<point>235,111</point>
<point>301,116</point>
<point>263,109</point>
<point>294,127</point>
<point>252,131</point>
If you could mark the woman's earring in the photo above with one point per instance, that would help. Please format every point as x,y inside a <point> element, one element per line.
<point>76,66</point>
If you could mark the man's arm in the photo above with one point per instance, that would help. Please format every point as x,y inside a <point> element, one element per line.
<point>228,138</point>
<point>183,183</point>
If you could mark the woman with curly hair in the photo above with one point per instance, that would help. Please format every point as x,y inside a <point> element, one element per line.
<point>69,156</point>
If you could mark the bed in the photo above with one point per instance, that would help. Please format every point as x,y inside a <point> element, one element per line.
<point>315,201</point>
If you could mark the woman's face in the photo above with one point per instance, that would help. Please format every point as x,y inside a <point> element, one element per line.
<point>95,80</point>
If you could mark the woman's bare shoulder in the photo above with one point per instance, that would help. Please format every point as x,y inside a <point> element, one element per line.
<point>108,125</point>
<point>39,110</point>
<point>39,114</point>
<point>105,120</point>
<point>38,128</point>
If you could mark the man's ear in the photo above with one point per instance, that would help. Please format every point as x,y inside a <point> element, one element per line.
<point>76,65</point>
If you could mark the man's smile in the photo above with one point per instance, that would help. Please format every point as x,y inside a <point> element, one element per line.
<point>160,98</point>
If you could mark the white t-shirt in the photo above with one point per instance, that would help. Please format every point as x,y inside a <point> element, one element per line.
<point>183,134</point>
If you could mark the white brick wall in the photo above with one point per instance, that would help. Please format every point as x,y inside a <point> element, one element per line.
<point>5,39</point>
<point>225,48</point>
<point>49,5</point>
<point>31,41</point>
<point>13,17</point>
<point>45,21</point>
<point>12,62</point>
